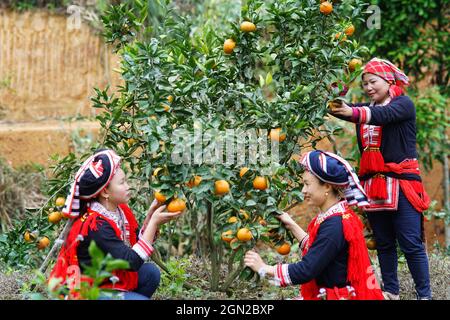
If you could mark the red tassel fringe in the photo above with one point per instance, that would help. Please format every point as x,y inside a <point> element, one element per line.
<point>371,161</point>
<point>359,272</point>
<point>378,188</point>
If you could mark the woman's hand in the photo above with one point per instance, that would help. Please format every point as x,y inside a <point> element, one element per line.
<point>340,108</point>
<point>155,205</point>
<point>160,216</point>
<point>292,226</point>
<point>287,220</point>
<point>254,261</point>
<point>157,217</point>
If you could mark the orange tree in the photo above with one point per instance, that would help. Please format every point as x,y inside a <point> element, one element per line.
<point>272,71</point>
<point>186,89</point>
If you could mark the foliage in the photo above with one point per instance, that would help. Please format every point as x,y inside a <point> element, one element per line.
<point>274,78</point>
<point>178,81</point>
<point>101,269</point>
<point>415,36</point>
<point>432,125</point>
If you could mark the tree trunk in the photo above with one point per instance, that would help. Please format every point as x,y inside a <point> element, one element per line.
<point>213,254</point>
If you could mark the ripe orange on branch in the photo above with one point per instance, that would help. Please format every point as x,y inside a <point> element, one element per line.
<point>55,217</point>
<point>43,243</point>
<point>227,236</point>
<point>221,187</point>
<point>244,235</point>
<point>262,222</point>
<point>194,182</point>
<point>339,35</point>
<point>160,197</point>
<point>243,171</point>
<point>354,63</point>
<point>29,236</point>
<point>176,205</point>
<point>248,26</point>
<point>277,135</point>
<point>284,249</point>
<point>232,219</point>
<point>229,46</point>
<point>350,30</point>
<point>244,214</point>
<point>326,7</point>
<point>260,183</point>
<point>60,201</point>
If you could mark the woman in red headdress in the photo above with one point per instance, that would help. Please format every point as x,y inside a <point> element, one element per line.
<point>389,171</point>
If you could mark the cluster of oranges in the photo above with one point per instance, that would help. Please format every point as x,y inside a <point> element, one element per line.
<point>230,44</point>
<point>237,236</point>
<point>54,217</point>
<point>175,204</point>
<point>326,8</point>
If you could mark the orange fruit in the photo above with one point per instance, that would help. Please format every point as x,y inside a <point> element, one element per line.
<point>243,171</point>
<point>244,235</point>
<point>248,26</point>
<point>170,99</point>
<point>338,36</point>
<point>371,244</point>
<point>55,217</point>
<point>260,183</point>
<point>227,236</point>
<point>284,249</point>
<point>332,105</point>
<point>194,182</point>
<point>244,214</point>
<point>166,108</point>
<point>29,236</point>
<point>233,241</point>
<point>350,30</point>
<point>160,197</point>
<point>262,222</point>
<point>60,201</point>
<point>228,46</point>
<point>276,136</point>
<point>153,117</point>
<point>326,7</point>
<point>353,64</point>
<point>176,205</point>
<point>43,243</point>
<point>221,187</point>
<point>232,219</point>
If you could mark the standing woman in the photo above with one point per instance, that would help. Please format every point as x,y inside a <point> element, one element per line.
<point>389,171</point>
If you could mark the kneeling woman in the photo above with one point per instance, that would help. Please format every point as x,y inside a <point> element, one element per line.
<point>335,263</point>
<point>97,205</point>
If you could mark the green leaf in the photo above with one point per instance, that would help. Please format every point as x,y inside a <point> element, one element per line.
<point>117,264</point>
<point>96,254</point>
<point>261,81</point>
<point>268,78</point>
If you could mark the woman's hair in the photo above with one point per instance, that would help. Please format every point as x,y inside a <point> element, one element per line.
<point>337,190</point>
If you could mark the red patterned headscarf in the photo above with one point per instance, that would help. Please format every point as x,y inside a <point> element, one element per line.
<point>389,72</point>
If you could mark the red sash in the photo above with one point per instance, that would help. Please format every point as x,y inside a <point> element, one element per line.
<point>382,190</point>
<point>359,270</point>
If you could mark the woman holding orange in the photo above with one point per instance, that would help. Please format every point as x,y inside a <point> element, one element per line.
<point>389,171</point>
<point>97,203</point>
